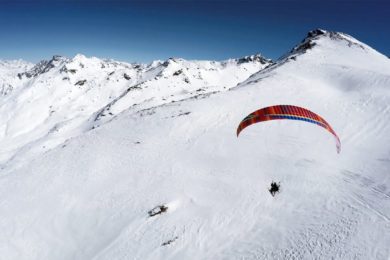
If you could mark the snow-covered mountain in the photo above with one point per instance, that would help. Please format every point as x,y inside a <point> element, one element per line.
<point>8,74</point>
<point>90,146</point>
<point>46,104</point>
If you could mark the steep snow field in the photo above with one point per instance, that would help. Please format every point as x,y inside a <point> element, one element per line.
<point>89,197</point>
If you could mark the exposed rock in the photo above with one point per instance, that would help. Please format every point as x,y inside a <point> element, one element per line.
<point>80,82</point>
<point>310,40</point>
<point>43,66</point>
<point>169,241</point>
<point>127,77</point>
<point>177,73</point>
<point>254,58</point>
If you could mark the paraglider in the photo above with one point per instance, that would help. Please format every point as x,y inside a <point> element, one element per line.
<point>287,112</point>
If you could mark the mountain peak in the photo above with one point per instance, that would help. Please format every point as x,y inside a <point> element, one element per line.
<point>44,66</point>
<point>254,58</point>
<point>314,36</point>
<point>58,58</point>
<point>316,32</point>
<point>319,33</point>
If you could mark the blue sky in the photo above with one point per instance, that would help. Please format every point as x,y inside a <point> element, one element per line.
<point>142,31</point>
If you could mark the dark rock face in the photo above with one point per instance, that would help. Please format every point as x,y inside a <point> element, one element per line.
<point>310,41</point>
<point>169,61</point>
<point>127,77</point>
<point>305,46</point>
<point>315,32</point>
<point>43,66</point>
<point>178,72</point>
<point>165,64</point>
<point>254,58</point>
<point>80,82</point>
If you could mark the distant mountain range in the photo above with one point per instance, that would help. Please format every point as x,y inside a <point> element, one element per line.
<point>62,94</point>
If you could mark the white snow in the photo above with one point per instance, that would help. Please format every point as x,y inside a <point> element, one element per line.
<point>66,97</point>
<point>88,197</point>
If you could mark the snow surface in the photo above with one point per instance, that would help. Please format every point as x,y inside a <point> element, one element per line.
<point>87,194</point>
<point>62,98</point>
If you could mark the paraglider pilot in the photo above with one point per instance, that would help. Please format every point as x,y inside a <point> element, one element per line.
<point>275,187</point>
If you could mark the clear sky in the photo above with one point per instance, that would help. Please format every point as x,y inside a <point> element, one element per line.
<point>142,31</point>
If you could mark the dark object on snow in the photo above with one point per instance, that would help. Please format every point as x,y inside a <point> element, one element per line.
<point>127,77</point>
<point>80,82</point>
<point>177,73</point>
<point>169,241</point>
<point>275,187</point>
<point>157,210</point>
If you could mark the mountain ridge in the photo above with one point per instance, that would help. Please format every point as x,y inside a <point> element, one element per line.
<point>73,93</point>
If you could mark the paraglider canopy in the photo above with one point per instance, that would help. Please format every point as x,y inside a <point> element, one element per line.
<point>287,112</point>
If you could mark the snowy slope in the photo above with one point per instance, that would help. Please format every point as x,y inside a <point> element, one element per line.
<point>89,198</point>
<point>8,74</point>
<point>62,98</point>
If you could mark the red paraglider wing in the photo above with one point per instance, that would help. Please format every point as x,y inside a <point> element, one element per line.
<point>287,112</point>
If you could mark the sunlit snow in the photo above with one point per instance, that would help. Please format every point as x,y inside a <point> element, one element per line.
<point>83,164</point>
